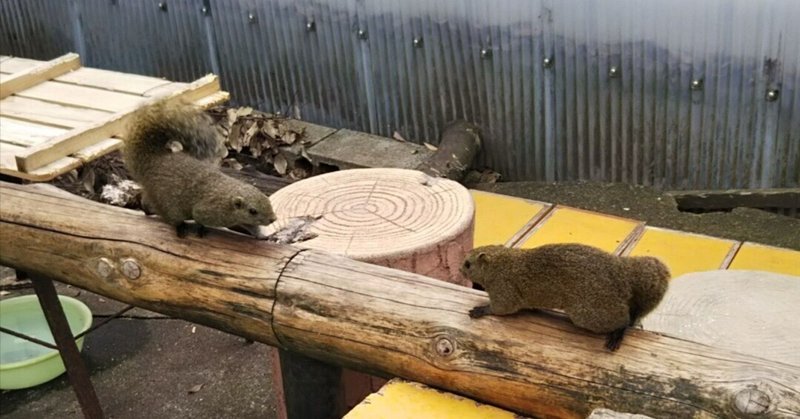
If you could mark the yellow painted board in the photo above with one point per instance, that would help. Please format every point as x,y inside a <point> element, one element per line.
<point>571,225</point>
<point>759,257</point>
<point>399,399</point>
<point>684,252</point>
<point>499,218</point>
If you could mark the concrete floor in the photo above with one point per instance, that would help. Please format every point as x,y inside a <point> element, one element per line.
<point>147,365</point>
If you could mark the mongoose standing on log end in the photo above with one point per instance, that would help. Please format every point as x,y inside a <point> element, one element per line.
<point>598,291</point>
<point>172,150</point>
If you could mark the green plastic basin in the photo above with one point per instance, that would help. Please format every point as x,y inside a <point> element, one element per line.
<point>25,364</point>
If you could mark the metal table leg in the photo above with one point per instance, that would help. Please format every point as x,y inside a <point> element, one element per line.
<point>76,369</point>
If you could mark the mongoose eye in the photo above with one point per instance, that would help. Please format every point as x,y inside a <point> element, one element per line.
<point>467,264</point>
<point>253,211</point>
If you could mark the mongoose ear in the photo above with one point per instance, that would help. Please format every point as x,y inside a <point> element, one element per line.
<point>175,146</point>
<point>482,257</point>
<point>238,202</point>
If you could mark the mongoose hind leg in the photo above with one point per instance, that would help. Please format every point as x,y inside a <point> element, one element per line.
<point>614,339</point>
<point>182,229</point>
<point>480,311</point>
<point>611,318</point>
<point>201,230</point>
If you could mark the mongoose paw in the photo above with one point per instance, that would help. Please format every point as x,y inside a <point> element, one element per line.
<point>201,230</point>
<point>614,339</point>
<point>480,311</point>
<point>182,229</point>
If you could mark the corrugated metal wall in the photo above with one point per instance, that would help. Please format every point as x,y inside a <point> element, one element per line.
<point>672,93</point>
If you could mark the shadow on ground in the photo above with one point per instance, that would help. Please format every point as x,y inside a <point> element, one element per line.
<point>156,367</point>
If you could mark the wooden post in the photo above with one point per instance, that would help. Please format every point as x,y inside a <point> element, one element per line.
<point>396,218</point>
<point>373,318</point>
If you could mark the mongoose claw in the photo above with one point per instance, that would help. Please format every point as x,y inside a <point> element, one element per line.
<point>614,339</point>
<point>480,311</point>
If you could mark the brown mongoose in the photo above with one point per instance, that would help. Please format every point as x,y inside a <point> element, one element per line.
<point>172,150</point>
<point>598,291</point>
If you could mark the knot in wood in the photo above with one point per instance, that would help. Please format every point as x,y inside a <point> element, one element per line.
<point>444,346</point>
<point>131,269</point>
<point>104,267</point>
<point>752,401</point>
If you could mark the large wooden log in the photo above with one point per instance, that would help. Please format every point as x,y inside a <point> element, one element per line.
<point>380,320</point>
<point>460,143</point>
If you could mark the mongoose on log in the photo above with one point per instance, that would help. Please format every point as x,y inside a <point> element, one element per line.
<point>598,291</point>
<point>173,150</point>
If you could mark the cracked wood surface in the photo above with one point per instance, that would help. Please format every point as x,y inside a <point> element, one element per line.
<point>381,320</point>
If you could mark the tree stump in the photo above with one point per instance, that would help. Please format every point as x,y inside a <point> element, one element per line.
<point>402,219</point>
<point>750,312</point>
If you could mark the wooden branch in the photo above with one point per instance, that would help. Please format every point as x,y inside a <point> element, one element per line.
<point>378,319</point>
<point>76,139</point>
<point>460,142</point>
<point>729,199</point>
<point>22,80</point>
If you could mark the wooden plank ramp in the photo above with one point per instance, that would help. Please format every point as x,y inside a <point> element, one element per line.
<point>56,115</point>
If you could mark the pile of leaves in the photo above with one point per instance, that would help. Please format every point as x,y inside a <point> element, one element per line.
<point>264,139</point>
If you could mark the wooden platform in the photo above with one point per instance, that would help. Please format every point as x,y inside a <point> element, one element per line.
<point>400,399</point>
<point>517,222</point>
<point>56,115</point>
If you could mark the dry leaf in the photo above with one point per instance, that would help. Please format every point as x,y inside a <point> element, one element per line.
<point>244,111</point>
<point>248,136</point>
<point>431,147</point>
<point>272,128</point>
<point>235,137</point>
<point>305,155</point>
<point>280,164</point>
<point>88,179</point>
<point>290,137</point>
<point>195,389</point>
<point>232,163</point>
<point>232,117</point>
<point>399,137</point>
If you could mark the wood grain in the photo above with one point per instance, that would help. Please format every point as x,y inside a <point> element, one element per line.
<point>32,76</point>
<point>112,80</point>
<point>40,111</point>
<point>399,218</point>
<point>24,133</point>
<point>748,311</point>
<point>381,320</point>
<point>74,140</point>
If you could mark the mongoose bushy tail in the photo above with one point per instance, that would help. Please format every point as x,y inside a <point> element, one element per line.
<point>168,127</point>
<point>173,150</point>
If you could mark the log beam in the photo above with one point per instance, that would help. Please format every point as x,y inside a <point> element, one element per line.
<point>457,148</point>
<point>380,320</point>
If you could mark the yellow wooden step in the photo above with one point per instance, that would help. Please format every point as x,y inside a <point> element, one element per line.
<point>683,252</point>
<point>501,219</point>
<point>572,225</point>
<point>400,399</point>
<point>752,256</point>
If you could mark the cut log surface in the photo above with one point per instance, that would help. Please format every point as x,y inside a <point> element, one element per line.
<point>398,218</point>
<point>751,312</point>
<point>378,319</point>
